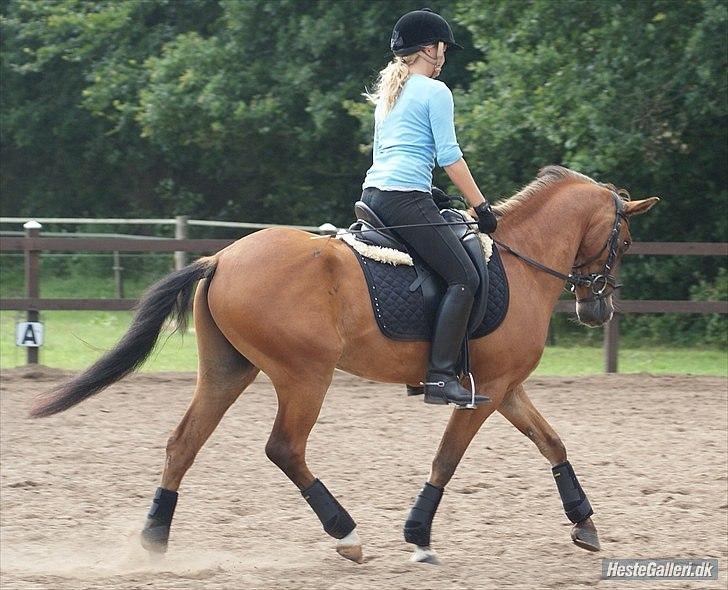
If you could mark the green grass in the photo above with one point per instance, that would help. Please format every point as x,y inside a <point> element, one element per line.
<point>74,339</point>
<point>582,360</point>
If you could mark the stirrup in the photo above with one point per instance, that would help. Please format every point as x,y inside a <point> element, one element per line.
<point>473,403</point>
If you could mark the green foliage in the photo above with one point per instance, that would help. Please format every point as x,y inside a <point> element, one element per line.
<point>630,92</point>
<point>252,110</point>
<point>714,326</point>
<point>83,275</point>
<point>71,73</point>
<point>212,108</point>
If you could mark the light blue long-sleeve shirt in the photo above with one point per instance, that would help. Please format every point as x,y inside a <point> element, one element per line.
<point>417,132</point>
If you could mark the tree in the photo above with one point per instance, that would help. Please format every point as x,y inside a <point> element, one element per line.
<point>630,92</point>
<point>188,106</point>
<point>71,71</point>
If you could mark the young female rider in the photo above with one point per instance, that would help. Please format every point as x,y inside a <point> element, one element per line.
<point>414,127</point>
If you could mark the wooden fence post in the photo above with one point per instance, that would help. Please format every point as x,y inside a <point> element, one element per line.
<point>118,278</point>
<point>32,282</point>
<point>180,233</point>
<point>611,344</point>
<point>611,338</point>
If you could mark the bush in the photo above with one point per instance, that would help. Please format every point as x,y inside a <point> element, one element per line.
<point>714,326</point>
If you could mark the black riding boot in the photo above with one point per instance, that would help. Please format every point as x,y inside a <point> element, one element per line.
<point>442,385</point>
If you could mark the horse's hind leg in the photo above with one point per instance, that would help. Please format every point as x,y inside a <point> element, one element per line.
<point>520,412</point>
<point>299,403</point>
<point>223,373</point>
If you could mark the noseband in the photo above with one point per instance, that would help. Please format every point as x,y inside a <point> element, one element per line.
<point>598,282</point>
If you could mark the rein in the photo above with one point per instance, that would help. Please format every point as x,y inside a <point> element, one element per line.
<point>574,280</point>
<point>597,281</point>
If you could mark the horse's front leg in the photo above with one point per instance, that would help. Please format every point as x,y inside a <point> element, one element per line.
<point>461,429</point>
<point>520,412</point>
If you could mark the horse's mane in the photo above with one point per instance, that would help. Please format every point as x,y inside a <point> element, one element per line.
<point>547,177</point>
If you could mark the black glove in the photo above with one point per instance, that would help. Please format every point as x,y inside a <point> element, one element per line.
<point>442,200</point>
<point>445,201</point>
<point>486,218</point>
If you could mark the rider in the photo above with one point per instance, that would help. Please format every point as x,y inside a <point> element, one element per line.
<point>414,127</point>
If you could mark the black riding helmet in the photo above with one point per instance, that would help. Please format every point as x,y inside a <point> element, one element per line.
<point>420,28</point>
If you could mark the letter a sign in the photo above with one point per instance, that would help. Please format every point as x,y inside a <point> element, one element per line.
<point>29,334</point>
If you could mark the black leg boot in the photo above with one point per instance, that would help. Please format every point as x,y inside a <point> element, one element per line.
<point>442,385</point>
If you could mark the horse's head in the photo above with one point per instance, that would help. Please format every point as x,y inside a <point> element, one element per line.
<point>606,240</point>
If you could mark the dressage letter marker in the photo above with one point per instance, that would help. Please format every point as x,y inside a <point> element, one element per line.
<point>29,334</point>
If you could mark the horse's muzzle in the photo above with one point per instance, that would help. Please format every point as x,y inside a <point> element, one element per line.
<point>595,311</point>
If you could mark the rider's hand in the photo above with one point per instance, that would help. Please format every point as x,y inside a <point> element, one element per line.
<point>487,221</point>
<point>442,200</point>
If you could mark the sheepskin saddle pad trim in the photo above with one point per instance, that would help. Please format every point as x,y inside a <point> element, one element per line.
<point>398,257</point>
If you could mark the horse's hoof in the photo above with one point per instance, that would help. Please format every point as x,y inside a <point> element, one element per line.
<point>350,547</point>
<point>154,539</point>
<point>424,555</point>
<point>584,535</point>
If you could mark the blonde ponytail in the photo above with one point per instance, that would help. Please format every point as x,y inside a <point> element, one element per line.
<point>390,82</point>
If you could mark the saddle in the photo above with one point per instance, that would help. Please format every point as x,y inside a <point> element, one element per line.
<point>405,298</point>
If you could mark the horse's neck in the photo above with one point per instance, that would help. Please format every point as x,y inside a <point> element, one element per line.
<point>549,229</point>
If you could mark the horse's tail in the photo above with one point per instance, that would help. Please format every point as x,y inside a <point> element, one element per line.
<point>168,297</point>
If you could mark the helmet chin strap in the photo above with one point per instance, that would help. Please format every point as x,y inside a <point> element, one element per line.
<point>439,60</point>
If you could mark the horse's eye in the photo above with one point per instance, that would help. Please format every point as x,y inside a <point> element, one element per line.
<point>626,244</point>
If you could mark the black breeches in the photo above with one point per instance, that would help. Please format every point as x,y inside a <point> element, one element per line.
<point>438,246</point>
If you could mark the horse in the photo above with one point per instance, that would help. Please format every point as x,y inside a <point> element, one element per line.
<point>295,306</point>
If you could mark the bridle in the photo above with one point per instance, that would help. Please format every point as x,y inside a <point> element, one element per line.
<point>598,282</point>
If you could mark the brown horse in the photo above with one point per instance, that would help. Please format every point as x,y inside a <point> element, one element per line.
<point>295,306</point>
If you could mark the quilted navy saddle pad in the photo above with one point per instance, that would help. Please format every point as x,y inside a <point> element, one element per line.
<point>401,311</point>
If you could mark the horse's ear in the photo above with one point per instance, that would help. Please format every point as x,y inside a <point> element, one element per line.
<point>639,207</point>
